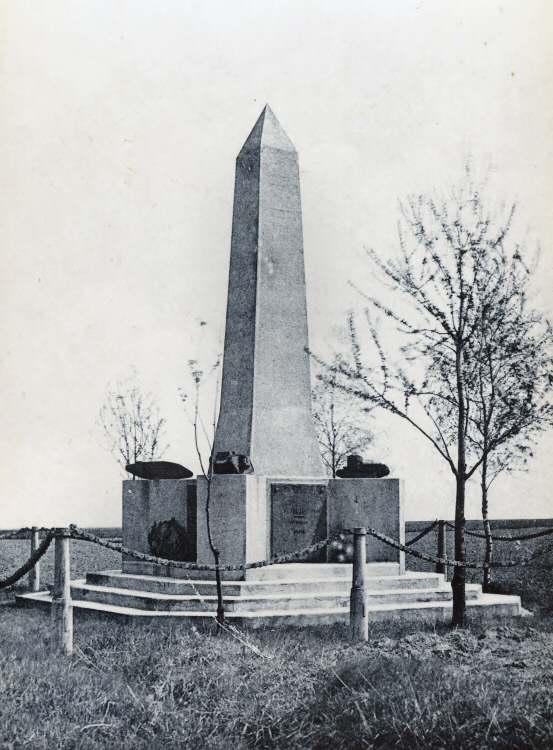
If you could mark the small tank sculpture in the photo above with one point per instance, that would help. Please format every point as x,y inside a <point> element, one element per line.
<point>158,470</point>
<point>356,469</point>
<point>229,462</point>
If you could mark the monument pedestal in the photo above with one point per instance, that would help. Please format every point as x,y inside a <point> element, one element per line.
<point>255,518</point>
<point>251,517</point>
<point>150,502</point>
<point>237,517</point>
<point>378,503</point>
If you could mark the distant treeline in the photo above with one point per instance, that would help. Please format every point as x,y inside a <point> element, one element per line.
<point>105,532</point>
<point>412,527</point>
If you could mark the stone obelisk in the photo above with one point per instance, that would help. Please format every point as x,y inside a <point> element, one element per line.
<point>266,395</point>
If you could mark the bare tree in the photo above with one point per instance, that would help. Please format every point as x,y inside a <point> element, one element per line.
<point>131,423</point>
<point>340,422</point>
<point>440,283</point>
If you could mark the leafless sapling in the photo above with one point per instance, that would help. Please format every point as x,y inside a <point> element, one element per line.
<point>340,421</point>
<point>131,424</point>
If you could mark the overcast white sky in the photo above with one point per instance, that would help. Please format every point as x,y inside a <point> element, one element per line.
<point>119,129</point>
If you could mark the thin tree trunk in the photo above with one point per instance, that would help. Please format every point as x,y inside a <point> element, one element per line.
<point>220,605</point>
<point>214,550</point>
<point>458,580</point>
<point>333,441</point>
<point>487,577</point>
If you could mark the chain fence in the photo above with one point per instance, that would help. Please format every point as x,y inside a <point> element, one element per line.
<point>23,533</point>
<point>457,563</point>
<point>299,555</point>
<point>62,609</point>
<point>422,534</point>
<point>29,564</point>
<point>497,538</point>
<point>143,557</point>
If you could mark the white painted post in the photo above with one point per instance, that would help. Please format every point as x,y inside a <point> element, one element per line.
<point>62,608</point>
<point>34,575</point>
<point>359,622</point>
<point>442,548</point>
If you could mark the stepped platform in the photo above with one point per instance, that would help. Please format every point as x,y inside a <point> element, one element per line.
<point>293,594</point>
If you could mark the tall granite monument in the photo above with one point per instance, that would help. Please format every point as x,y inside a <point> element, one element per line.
<point>266,389</point>
<point>288,502</point>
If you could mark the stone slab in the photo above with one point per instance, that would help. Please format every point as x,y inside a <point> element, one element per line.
<point>483,608</point>
<point>238,519</point>
<point>377,503</point>
<point>146,502</point>
<point>298,517</point>
<point>312,598</point>
<point>322,579</point>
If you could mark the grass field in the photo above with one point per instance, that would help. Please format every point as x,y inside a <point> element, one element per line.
<point>134,686</point>
<point>170,686</point>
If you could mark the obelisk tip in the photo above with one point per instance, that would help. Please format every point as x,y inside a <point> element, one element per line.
<point>268,133</point>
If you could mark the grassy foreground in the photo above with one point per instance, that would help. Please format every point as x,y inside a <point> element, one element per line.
<point>132,686</point>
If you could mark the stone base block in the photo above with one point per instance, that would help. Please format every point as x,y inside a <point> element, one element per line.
<point>238,519</point>
<point>146,503</point>
<point>254,518</point>
<point>377,503</point>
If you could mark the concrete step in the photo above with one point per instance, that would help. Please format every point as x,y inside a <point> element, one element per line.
<point>317,571</point>
<point>166,585</point>
<point>483,607</point>
<point>314,598</point>
<point>267,572</point>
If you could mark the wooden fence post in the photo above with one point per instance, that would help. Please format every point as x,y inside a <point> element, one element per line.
<point>359,623</point>
<point>34,575</point>
<point>442,548</point>
<point>62,608</point>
